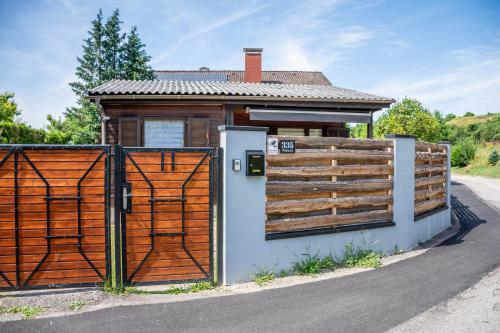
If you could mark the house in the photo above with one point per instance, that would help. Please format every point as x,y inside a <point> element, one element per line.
<point>183,108</point>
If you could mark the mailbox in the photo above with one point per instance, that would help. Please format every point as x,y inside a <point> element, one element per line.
<point>256,163</point>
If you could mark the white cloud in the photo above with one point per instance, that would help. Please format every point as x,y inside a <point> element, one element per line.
<point>352,37</point>
<point>470,83</point>
<point>207,27</point>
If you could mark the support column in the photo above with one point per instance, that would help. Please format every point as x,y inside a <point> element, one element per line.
<point>404,188</point>
<point>244,202</point>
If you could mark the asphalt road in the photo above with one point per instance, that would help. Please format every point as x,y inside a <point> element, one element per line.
<point>372,301</point>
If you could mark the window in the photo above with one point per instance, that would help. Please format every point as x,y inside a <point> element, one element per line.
<point>316,132</point>
<point>163,133</point>
<point>291,131</point>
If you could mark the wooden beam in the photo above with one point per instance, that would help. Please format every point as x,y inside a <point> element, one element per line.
<point>289,224</point>
<point>308,205</point>
<point>298,187</point>
<point>325,171</point>
<point>365,155</point>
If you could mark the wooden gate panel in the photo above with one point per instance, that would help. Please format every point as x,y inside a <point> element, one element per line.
<point>169,228</point>
<point>57,215</point>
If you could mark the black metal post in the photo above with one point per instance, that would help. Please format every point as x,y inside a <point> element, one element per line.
<point>119,241</point>
<point>220,218</point>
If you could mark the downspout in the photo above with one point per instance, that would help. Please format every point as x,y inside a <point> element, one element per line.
<point>104,118</point>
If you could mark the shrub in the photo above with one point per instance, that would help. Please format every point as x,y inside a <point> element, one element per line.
<point>263,277</point>
<point>462,153</point>
<point>493,158</point>
<point>312,264</point>
<point>360,257</point>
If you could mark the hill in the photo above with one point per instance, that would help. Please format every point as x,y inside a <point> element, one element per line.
<point>468,120</point>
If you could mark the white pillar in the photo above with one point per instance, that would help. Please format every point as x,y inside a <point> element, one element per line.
<point>244,202</point>
<point>404,188</point>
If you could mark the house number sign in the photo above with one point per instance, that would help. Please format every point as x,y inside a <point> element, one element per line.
<point>287,146</point>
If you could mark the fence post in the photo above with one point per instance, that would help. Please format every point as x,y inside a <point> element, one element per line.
<point>448,171</point>
<point>404,188</point>
<point>117,264</point>
<point>244,202</point>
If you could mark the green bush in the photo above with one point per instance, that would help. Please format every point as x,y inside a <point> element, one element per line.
<point>493,158</point>
<point>313,264</point>
<point>462,153</point>
<point>360,257</point>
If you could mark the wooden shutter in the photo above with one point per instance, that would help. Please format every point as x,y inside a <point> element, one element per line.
<point>198,132</point>
<point>130,132</point>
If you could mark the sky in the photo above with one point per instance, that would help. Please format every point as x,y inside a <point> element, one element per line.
<point>444,53</point>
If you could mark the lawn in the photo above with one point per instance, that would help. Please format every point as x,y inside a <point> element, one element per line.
<point>479,165</point>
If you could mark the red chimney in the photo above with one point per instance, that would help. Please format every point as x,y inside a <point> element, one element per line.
<point>253,65</point>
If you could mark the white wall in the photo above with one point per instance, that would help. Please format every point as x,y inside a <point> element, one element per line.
<point>245,249</point>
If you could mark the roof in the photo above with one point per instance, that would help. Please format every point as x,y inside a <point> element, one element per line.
<point>285,77</point>
<point>236,89</point>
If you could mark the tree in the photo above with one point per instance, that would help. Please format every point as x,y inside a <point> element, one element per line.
<point>90,66</point>
<point>56,132</point>
<point>12,129</point>
<point>135,60</point>
<point>469,114</point>
<point>106,56</point>
<point>408,117</point>
<point>113,48</point>
<point>359,131</point>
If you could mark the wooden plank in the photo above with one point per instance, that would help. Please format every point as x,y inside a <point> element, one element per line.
<point>419,170</point>
<point>325,171</point>
<point>425,206</point>
<point>291,187</point>
<point>290,224</point>
<point>419,145</point>
<point>366,155</point>
<point>316,142</point>
<point>427,194</point>
<point>307,205</point>
<point>430,180</point>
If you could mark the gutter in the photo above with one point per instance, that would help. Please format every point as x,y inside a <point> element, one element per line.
<point>133,97</point>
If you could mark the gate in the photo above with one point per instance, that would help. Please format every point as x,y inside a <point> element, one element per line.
<point>54,225</point>
<point>166,201</point>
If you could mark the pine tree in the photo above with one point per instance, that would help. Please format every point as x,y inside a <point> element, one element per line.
<point>113,47</point>
<point>135,60</point>
<point>106,56</point>
<point>90,66</point>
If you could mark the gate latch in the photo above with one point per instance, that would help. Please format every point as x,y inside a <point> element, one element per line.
<point>127,198</point>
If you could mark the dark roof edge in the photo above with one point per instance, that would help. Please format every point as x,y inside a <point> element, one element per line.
<point>380,103</point>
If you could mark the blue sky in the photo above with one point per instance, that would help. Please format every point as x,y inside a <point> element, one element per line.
<point>444,53</point>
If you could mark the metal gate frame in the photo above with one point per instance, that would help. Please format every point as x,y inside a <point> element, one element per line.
<point>18,150</point>
<point>120,155</point>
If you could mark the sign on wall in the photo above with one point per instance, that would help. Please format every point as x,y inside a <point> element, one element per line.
<point>286,146</point>
<point>272,146</point>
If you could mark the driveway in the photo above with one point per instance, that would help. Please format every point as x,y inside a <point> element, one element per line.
<point>372,301</point>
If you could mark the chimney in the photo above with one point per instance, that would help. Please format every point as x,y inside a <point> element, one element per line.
<point>253,65</point>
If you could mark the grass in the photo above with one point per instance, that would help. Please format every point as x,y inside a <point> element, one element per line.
<point>313,264</point>
<point>77,305</point>
<point>360,257</point>
<point>112,290</point>
<point>479,166</point>
<point>194,288</point>
<point>465,121</point>
<point>26,310</point>
<point>263,277</point>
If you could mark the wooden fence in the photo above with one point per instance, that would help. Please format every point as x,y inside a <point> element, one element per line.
<point>53,220</point>
<point>430,177</point>
<point>329,182</point>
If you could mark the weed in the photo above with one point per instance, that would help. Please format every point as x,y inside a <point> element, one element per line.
<point>77,305</point>
<point>284,273</point>
<point>313,264</point>
<point>194,288</point>
<point>110,289</point>
<point>263,277</point>
<point>360,257</point>
<point>26,310</point>
<point>397,250</point>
